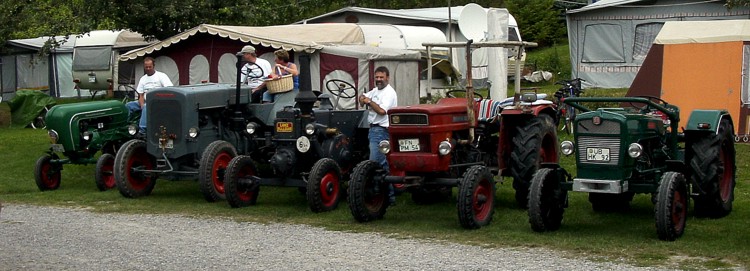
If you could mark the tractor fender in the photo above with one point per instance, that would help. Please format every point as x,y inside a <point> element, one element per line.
<point>699,118</point>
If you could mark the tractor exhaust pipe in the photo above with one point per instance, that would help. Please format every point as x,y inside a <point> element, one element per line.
<point>305,98</point>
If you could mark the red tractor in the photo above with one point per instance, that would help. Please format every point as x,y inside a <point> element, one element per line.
<point>435,147</point>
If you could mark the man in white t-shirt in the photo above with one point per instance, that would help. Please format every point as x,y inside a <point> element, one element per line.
<point>379,100</point>
<point>251,75</point>
<point>151,79</point>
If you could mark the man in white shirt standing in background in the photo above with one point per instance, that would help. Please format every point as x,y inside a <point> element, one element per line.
<point>151,79</point>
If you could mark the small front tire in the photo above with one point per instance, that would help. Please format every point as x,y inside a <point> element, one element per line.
<point>546,201</point>
<point>131,158</point>
<point>324,186</point>
<point>240,194</point>
<point>476,198</point>
<point>212,168</point>
<point>671,206</point>
<point>368,198</point>
<point>47,174</point>
<point>103,176</point>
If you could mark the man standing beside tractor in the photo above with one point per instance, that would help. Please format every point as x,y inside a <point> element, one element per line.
<point>151,79</point>
<point>380,100</point>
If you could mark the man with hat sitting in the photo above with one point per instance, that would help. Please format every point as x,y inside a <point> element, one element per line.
<point>251,75</point>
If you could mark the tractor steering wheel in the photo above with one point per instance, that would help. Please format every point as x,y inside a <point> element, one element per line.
<point>646,107</point>
<point>251,72</point>
<point>339,89</point>
<point>450,94</point>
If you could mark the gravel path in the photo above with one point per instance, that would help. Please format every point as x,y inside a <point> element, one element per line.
<point>48,238</point>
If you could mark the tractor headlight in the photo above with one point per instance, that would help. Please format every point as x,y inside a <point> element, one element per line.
<point>250,128</point>
<point>635,150</point>
<point>567,147</point>
<point>86,135</point>
<point>193,132</point>
<point>310,129</point>
<point>132,129</point>
<point>384,146</point>
<point>53,136</point>
<point>444,148</point>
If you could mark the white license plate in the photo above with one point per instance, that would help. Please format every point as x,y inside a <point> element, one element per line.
<point>406,145</point>
<point>170,144</point>
<point>597,154</point>
<point>58,148</point>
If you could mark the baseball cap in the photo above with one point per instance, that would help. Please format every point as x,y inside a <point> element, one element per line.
<point>248,49</point>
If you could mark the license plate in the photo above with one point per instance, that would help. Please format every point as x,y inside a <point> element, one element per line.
<point>284,127</point>
<point>406,145</point>
<point>58,148</point>
<point>597,154</point>
<point>169,145</point>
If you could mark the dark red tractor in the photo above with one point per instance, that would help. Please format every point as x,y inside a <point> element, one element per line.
<point>459,142</point>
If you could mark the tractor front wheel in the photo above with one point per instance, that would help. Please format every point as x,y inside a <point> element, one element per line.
<point>324,186</point>
<point>535,142</point>
<point>240,194</point>
<point>712,160</point>
<point>671,206</point>
<point>103,176</point>
<point>476,198</point>
<point>546,201</point>
<point>368,197</point>
<point>47,174</point>
<point>131,158</point>
<point>212,167</point>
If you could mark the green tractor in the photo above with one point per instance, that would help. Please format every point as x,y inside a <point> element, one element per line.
<point>638,148</point>
<point>79,131</point>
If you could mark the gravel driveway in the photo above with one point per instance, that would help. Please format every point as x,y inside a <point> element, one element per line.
<point>49,238</point>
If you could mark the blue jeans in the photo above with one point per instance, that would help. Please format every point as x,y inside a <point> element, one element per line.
<point>134,106</point>
<point>376,135</point>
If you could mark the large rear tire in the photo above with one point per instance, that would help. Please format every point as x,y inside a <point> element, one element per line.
<point>103,176</point>
<point>212,168</point>
<point>324,187</point>
<point>368,198</point>
<point>712,161</point>
<point>546,201</point>
<point>133,156</point>
<point>240,194</point>
<point>46,174</point>
<point>535,142</point>
<point>671,206</point>
<point>476,198</point>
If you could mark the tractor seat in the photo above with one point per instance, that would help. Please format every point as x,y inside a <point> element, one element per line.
<point>489,109</point>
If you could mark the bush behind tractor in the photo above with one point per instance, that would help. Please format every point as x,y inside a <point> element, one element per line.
<point>636,149</point>
<point>79,131</point>
<point>435,147</point>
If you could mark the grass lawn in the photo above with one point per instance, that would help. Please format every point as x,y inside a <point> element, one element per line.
<point>622,237</point>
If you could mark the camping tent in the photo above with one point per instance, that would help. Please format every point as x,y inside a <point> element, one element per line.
<point>700,65</point>
<point>24,68</point>
<point>444,19</point>
<point>609,39</point>
<point>207,53</point>
<point>75,57</point>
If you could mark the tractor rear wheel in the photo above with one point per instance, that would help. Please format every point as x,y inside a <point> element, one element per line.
<point>476,198</point>
<point>368,197</point>
<point>671,206</point>
<point>546,201</point>
<point>133,156</point>
<point>712,160</point>
<point>212,167</point>
<point>324,186</point>
<point>46,174</point>
<point>240,194</point>
<point>535,142</point>
<point>103,176</point>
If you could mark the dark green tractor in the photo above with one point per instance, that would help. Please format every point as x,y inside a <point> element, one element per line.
<point>641,148</point>
<point>78,132</point>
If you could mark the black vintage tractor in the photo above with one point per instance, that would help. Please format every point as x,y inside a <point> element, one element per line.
<point>313,149</point>
<point>638,148</point>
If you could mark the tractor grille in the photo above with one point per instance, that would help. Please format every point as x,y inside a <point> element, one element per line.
<point>607,127</point>
<point>165,113</point>
<point>611,143</point>
<point>409,119</point>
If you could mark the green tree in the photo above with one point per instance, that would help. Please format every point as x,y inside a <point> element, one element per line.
<point>538,20</point>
